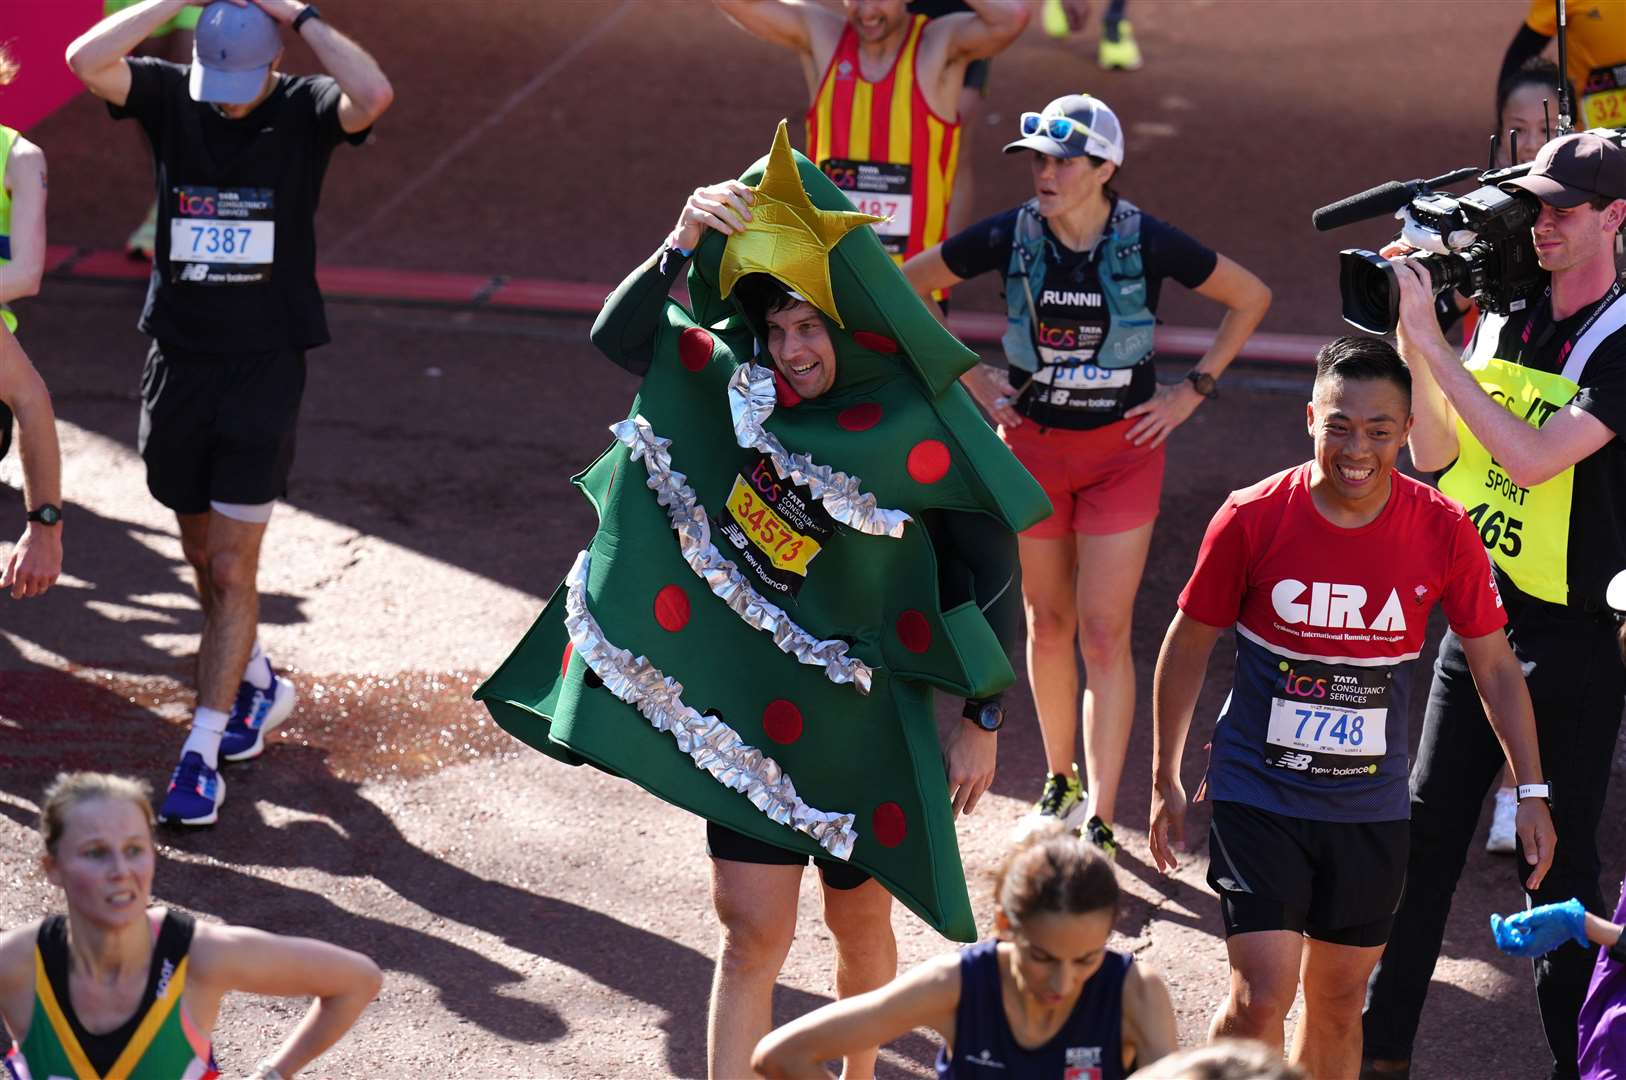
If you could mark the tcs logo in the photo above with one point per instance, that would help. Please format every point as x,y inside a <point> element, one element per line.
<point>766,483</point>
<point>190,205</point>
<point>1333,606</point>
<point>1301,686</point>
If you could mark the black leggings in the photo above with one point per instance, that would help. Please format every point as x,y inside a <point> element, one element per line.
<point>1577,686</point>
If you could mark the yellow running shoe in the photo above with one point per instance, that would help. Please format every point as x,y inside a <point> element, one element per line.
<point>1054,19</point>
<point>144,239</point>
<point>1122,54</point>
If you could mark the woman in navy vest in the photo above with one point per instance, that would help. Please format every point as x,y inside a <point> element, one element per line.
<point>1081,406</point>
<point>1045,998</point>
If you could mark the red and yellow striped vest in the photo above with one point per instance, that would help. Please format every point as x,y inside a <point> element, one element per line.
<point>882,144</point>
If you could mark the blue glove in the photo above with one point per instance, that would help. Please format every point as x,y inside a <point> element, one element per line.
<point>1541,930</point>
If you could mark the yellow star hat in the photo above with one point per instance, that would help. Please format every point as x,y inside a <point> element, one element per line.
<point>788,237</point>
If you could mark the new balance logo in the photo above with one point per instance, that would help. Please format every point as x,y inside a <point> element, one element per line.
<point>1333,606</point>
<point>195,272</point>
<point>1298,762</point>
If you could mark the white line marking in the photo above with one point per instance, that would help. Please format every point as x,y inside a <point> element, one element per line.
<point>478,131</point>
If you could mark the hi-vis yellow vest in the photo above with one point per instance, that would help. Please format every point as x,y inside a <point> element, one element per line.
<point>1526,531</point>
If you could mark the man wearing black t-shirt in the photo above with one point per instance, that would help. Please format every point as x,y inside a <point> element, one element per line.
<point>1524,428</point>
<point>239,152</point>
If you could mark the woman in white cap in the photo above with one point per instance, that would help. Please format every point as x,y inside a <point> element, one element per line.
<point>1081,406</point>
<point>118,988</point>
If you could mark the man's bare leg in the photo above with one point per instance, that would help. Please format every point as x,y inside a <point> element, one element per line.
<point>866,952</point>
<point>756,905</point>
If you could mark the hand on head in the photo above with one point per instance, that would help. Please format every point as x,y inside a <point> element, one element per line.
<point>724,207</point>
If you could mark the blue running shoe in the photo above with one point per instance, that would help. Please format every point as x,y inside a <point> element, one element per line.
<point>254,716</point>
<point>195,793</point>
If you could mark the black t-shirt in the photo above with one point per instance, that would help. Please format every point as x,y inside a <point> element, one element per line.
<point>234,267</point>
<point>1597,538</point>
<point>1071,390</point>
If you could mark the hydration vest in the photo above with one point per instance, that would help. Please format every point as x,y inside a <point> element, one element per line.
<point>1131,323</point>
<point>8,139</point>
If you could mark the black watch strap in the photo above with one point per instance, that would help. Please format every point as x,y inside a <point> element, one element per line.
<point>46,514</point>
<point>1203,383</point>
<point>311,12</point>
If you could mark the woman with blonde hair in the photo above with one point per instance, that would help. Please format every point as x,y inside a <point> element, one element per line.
<point>116,988</point>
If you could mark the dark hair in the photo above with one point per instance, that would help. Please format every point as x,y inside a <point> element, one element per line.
<point>1536,71</point>
<point>1224,1059</point>
<point>1356,356</point>
<point>760,295</point>
<point>1055,871</point>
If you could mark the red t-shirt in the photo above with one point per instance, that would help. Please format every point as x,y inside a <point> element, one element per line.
<point>1327,619</point>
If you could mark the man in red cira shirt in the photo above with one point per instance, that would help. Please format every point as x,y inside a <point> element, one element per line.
<point>1328,571</point>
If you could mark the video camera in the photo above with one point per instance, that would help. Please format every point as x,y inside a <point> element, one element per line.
<point>1478,243</point>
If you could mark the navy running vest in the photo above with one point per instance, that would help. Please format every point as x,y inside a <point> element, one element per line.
<point>1089,1045</point>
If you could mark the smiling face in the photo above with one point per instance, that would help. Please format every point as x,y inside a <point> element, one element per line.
<point>1359,426</point>
<point>874,20</point>
<point>1567,238</point>
<point>1064,185</point>
<point>104,861</point>
<point>1055,953</point>
<point>801,348</point>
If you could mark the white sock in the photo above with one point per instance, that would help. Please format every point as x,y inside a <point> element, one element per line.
<point>258,671</point>
<point>208,725</point>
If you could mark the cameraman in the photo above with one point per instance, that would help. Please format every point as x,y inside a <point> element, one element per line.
<point>1524,431</point>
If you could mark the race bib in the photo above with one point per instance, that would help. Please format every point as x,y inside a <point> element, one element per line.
<point>1328,721</point>
<point>881,188</point>
<point>774,527</point>
<point>1068,375</point>
<point>222,236</point>
<point>1603,100</point>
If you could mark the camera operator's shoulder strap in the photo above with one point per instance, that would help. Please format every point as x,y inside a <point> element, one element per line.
<point>1609,318</point>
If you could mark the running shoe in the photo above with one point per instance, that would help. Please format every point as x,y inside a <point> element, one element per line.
<point>1054,18</point>
<point>1062,800</point>
<point>1503,838</point>
<point>144,240</point>
<point>1122,54</point>
<point>1099,833</point>
<point>255,715</point>
<point>195,793</point>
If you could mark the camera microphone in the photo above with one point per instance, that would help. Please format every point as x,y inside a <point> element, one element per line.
<point>1374,202</point>
<point>1381,200</point>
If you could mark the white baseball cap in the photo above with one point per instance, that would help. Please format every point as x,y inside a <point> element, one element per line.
<point>1072,126</point>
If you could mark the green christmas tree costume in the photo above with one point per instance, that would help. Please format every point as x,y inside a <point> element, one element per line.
<point>754,630</point>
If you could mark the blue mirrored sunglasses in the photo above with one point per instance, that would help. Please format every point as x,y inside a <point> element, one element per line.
<point>1060,128</point>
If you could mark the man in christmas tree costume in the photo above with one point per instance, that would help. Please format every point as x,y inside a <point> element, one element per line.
<point>788,558</point>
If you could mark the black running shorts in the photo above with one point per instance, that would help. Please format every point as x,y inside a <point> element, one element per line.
<point>724,843</point>
<point>5,430</point>
<point>1334,881</point>
<point>219,427</point>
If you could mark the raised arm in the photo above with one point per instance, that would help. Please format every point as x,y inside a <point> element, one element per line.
<point>25,181</point>
<point>367,91</point>
<point>227,958</point>
<point>925,996</point>
<point>36,561</point>
<point>97,56</point>
<point>1500,681</point>
<point>1528,455</point>
<point>780,22</point>
<point>625,328</point>
<point>1182,665</point>
<point>986,30</point>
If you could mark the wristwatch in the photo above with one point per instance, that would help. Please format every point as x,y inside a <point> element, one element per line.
<point>1535,791</point>
<point>310,12</point>
<point>45,514</point>
<point>988,715</point>
<point>1203,383</point>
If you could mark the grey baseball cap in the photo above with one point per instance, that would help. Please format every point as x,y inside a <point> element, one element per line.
<point>232,51</point>
<point>1094,130</point>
